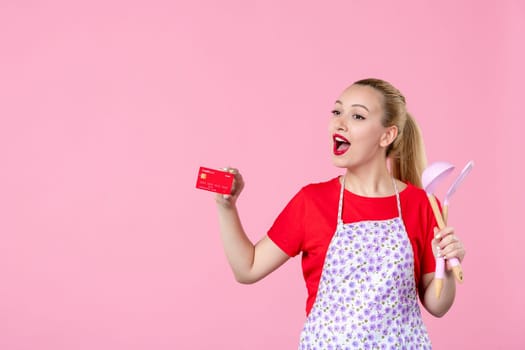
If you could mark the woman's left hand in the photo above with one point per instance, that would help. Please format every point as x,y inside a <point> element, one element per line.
<point>447,244</point>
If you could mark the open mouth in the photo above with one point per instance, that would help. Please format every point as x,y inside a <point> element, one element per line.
<point>341,144</point>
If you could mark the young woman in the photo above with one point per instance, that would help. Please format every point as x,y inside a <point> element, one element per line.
<point>368,239</point>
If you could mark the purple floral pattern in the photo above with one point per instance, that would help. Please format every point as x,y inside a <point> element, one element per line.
<point>367,295</point>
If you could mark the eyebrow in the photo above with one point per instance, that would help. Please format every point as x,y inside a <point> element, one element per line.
<point>354,105</point>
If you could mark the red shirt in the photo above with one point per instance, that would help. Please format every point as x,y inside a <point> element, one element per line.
<point>308,222</point>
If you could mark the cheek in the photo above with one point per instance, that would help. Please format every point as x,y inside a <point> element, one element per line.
<point>366,138</point>
<point>367,132</point>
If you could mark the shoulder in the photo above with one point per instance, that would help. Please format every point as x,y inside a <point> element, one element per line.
<point>416,206</point>
<point>321,188</point>
<point>413,193</point>
<point>315,193</point>
<point>416,198</point>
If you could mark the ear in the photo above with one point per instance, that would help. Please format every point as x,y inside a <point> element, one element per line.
<point>388,136</point>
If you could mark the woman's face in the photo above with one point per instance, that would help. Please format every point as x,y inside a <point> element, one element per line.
<point>358,137</point>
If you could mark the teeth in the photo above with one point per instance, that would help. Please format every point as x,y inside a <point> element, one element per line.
<point>339,139</point>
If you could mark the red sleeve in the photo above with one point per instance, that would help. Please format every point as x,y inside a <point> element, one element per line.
<point>288,229</point>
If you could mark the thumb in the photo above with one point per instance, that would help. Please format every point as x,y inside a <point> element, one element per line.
<point>437,236</point>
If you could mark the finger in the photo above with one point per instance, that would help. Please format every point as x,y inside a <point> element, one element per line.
<point>448,250</point>
<point>237,178</point>
<point>231,170</point>
<point>222,200</point>
<point>438,251</point>
<point>444,232</point>
<point>447,240</point>
<point>454,250</point>
<point>222,196</point>
<point>458,254</point>
<point>435,243</point>
<point>238,184</point>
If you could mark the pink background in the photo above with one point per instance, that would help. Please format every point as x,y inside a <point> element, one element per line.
<point>108,108</point>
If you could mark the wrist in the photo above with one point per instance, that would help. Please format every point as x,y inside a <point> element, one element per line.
<point>226,206</point>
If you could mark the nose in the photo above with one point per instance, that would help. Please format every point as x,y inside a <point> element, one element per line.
<point>340,124</point>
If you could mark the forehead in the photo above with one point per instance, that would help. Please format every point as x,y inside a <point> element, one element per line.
<point>362,95</point>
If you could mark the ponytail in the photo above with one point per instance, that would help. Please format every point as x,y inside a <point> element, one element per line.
<point>407,155</point>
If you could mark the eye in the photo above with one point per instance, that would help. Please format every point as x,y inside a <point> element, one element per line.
<point>336,113</point>
<point>358,117</point>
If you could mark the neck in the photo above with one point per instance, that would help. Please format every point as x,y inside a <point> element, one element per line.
<point>370,180</point>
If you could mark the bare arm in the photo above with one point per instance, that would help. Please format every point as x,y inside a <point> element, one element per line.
<point>445,244</point>
<point>249,262</point>
<point>438,307</point>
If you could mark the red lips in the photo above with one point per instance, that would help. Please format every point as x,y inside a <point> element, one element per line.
<point>341,144</point>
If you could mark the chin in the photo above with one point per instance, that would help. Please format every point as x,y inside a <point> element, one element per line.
<point>340,163</point>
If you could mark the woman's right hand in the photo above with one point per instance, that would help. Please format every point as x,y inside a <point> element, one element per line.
<point>249,262</point>
<point>229,200</point>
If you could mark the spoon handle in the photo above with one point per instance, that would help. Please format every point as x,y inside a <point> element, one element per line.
<point>454,262</point>
<point>456,266</point>
<point>435,209</point>
<point>440,262</point>
<point>445,213</point>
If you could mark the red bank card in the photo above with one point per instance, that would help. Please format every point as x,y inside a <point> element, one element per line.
<point>214,180</point>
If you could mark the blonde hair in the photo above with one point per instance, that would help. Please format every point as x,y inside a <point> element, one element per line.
<point>407,152</point>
